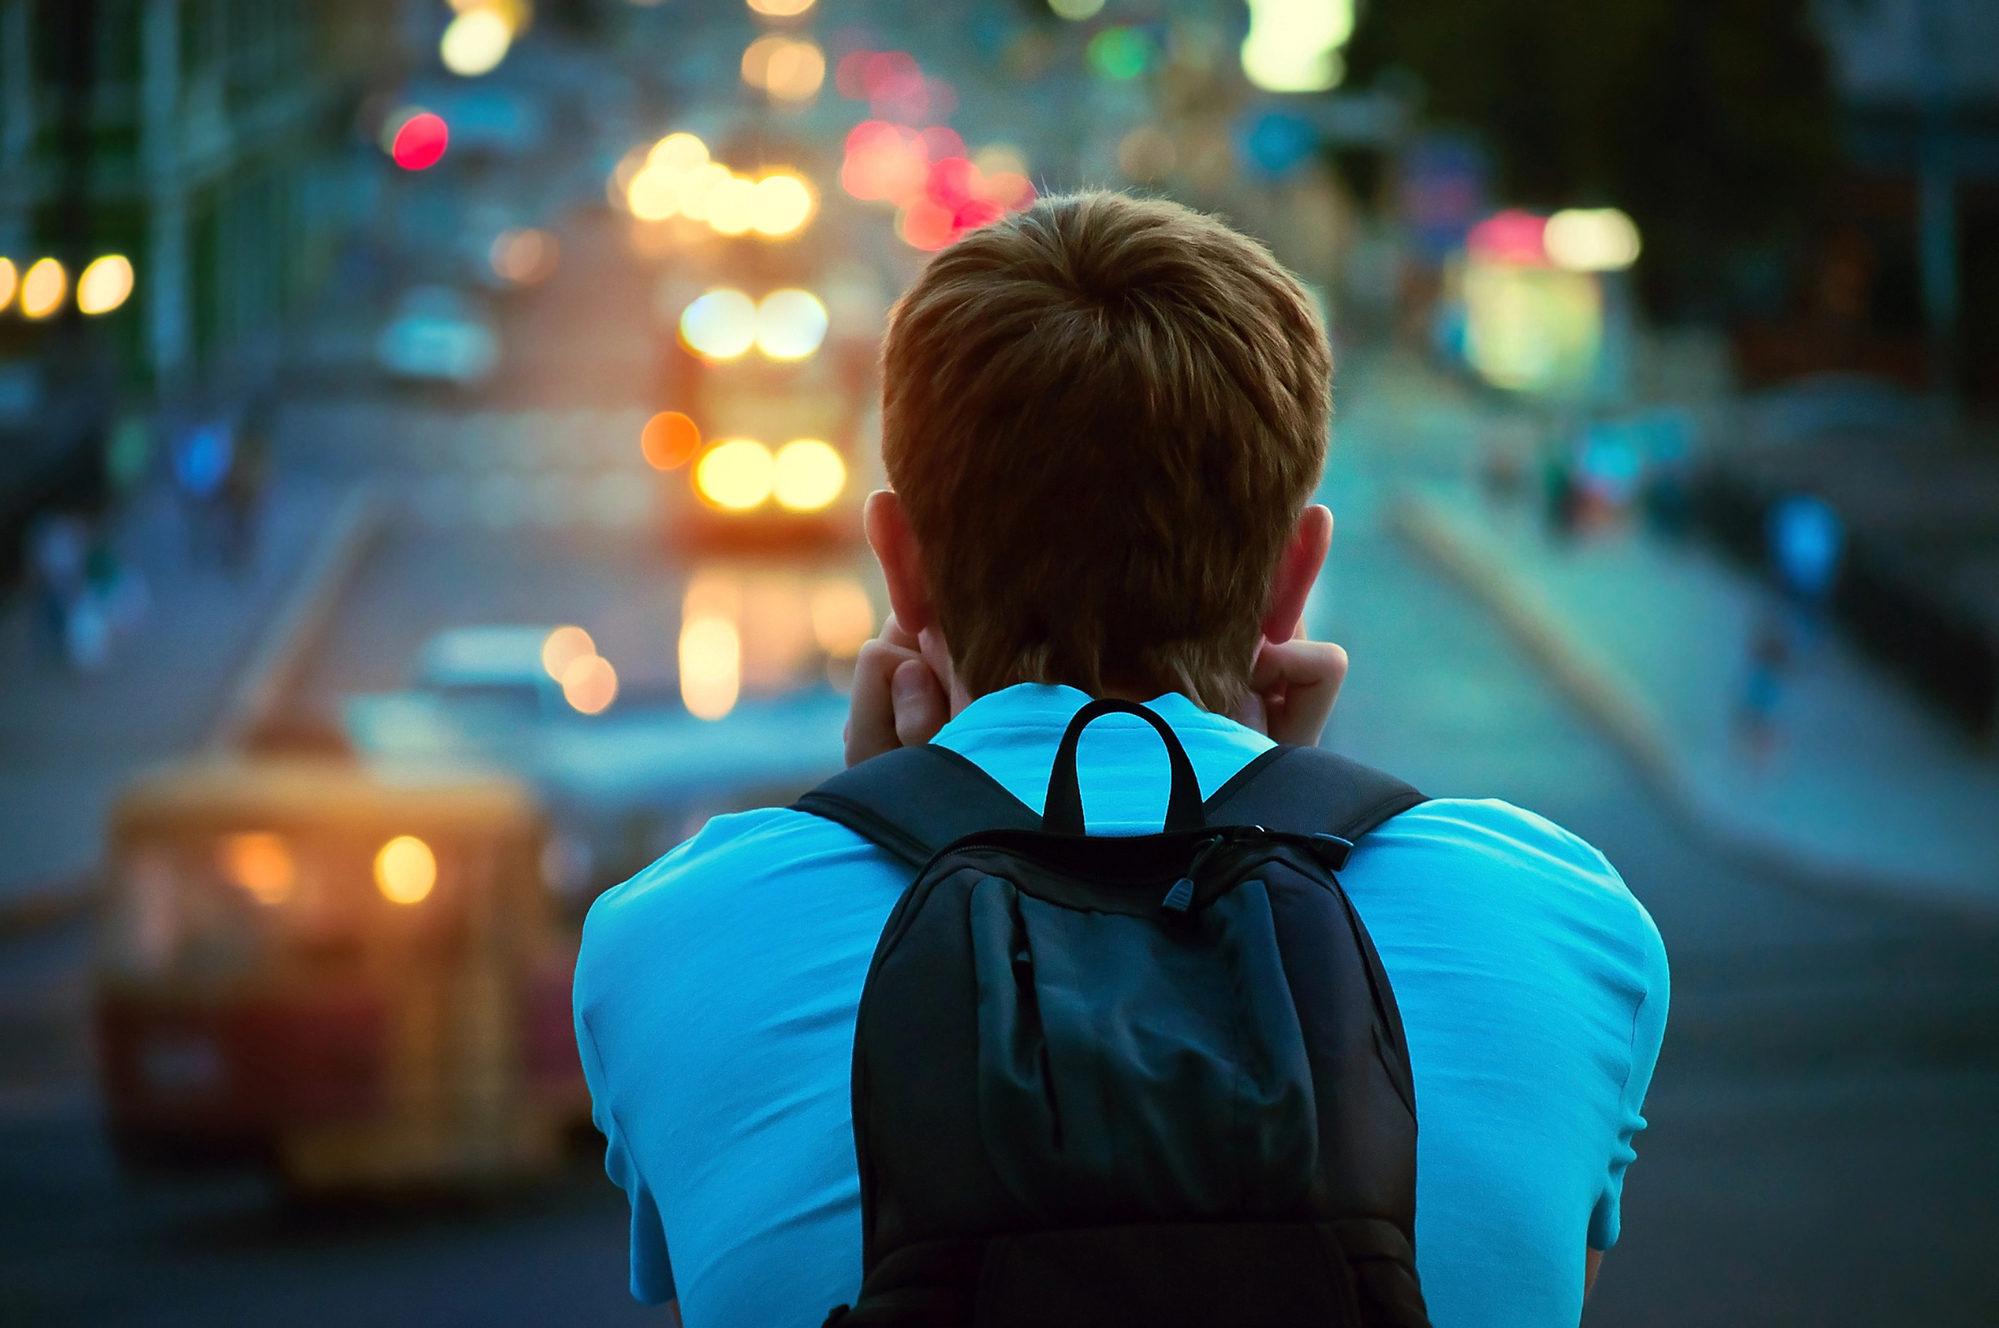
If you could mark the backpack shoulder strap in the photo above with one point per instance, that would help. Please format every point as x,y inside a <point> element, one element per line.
<point>1310,791</point>
<point>914,800</point>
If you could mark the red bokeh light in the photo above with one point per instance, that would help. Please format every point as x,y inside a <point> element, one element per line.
<point>927,226</point>
<point>926,175</point>
<point>1511,236</point>
<point>942,141</point>
<point>420,143</point>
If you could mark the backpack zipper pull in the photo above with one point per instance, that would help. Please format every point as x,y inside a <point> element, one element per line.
<point>1181,897</point>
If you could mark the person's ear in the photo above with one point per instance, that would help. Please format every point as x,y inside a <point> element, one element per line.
<point>1297,568</point>
<point>895,548</point>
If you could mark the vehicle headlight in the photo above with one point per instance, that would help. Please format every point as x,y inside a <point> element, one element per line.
<point>735,475</point>
<point>809,475</point>
<point>405,870</point>
<point>260,864</point>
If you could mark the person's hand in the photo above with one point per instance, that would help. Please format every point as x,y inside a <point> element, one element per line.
<point>1292,687</point>
<point>898,700</point>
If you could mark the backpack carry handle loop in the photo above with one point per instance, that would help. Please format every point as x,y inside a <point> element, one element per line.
<point>1063,814</point>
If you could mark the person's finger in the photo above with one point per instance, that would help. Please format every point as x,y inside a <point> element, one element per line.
<point>895,634</point>
<point>871,706</point>
<point>1298,681</point>
<point>920,705</point>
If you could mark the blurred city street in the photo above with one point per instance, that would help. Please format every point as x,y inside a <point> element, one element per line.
<point>475,454</point>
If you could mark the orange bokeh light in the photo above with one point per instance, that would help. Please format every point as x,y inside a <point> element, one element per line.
<point>670,440</point>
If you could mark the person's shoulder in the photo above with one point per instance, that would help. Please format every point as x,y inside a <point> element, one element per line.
<point>731,868</point>
<point>1517,862</point>
<point>730,850</point>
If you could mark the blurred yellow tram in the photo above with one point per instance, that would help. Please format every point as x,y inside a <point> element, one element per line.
<point>355,975</point>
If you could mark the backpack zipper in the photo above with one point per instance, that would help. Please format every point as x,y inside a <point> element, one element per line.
<point>1181,897</point>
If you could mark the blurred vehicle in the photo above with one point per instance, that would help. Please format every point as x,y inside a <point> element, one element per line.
<point>750,717</point>
<point>780,403</point>
<point>770,324</point>
<point>354,974</point>
<point>439,335</point>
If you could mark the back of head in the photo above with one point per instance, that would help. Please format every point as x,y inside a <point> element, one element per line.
<point>1103,416</point>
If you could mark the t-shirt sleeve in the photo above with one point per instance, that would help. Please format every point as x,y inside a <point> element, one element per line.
<point>652,1270</point>
<point>1648,1030</point>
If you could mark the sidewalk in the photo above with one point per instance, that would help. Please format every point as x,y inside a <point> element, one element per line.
<point>1864,787</point>
<point>71,741</point>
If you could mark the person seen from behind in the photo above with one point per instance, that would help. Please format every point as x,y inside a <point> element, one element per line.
<point>1104,420</point>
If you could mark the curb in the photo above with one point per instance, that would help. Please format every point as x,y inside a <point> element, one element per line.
<point>300,623</point>
<point>1616,705</point>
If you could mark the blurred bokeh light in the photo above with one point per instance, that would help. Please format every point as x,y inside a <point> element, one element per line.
<point>563,647</point>
<point>260,863</point>
<point>807,475</point>
<point>525,255</point>
<point>43,287</point>
<point>735,475</point>
<point>105,284</point>
<point>670,440</point>
<point>711,666</point>
<point>719,325</point>
<point>590,684</point>
<point>791,324</point>
<point>420,141</point>
<point>405,870</point>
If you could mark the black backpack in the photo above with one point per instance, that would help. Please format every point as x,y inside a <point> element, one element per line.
<point>1145,1080</point>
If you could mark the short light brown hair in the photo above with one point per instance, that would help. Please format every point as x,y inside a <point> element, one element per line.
<point>1103,416</point>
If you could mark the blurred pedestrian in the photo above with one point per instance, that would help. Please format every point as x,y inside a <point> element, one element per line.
<point>58,552</point>
<point>241,493</point>
<point>202,455</point>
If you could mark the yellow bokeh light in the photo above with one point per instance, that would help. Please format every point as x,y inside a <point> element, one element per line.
<point>795,71</point>
<point>808,475</point>
<point>698,186</point>
<point>1294,45</point>
<point>43,288</point>
<point>782,204</point>
<point>260,864</point>
<point>1075,10</point>
<point>843,618</point>
<point>732,206</point>
<point>9,280</point>
<point>791,324</point>
<point>405,870</point>
<point>720,325</point>
<point>563,647</point>
<point>735,475</point>
<point>105,284</point>
<point>590,684</point>
<point>654,194</point>
<point>476,41</point>
<point>711,666</point>
<point>1592,240</point>
<point>780,8</point>
<point>682,154</point>
<point>756,58</point>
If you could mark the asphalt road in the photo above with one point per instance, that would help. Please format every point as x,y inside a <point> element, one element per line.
<point>1820,1149</point>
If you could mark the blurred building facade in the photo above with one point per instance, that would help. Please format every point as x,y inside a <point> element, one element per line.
<point>189,135</point>
<point>1912,256</point>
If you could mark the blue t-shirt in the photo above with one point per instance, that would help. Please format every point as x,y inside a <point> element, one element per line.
<point>716,995</point>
